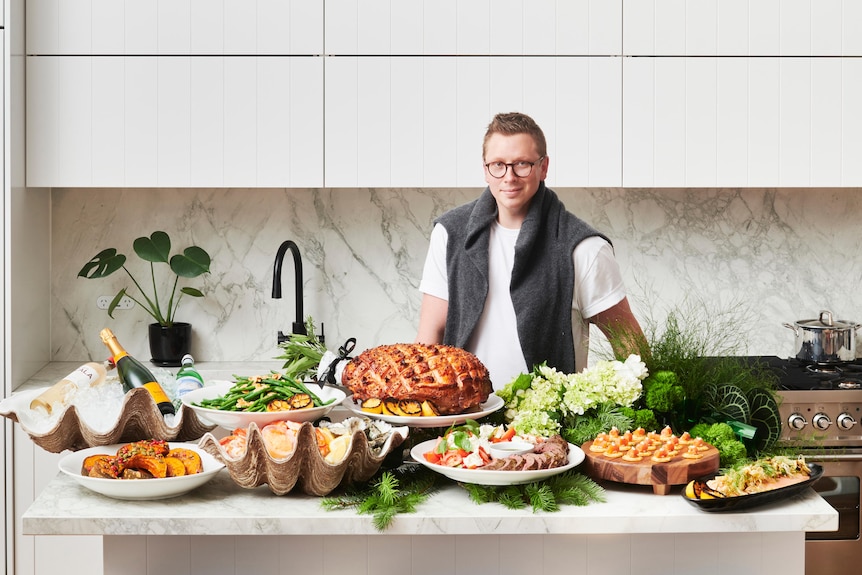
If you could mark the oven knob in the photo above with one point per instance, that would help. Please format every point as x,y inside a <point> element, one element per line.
<point>846,421</point>
<point>796,421</point>
<point>821,421</point>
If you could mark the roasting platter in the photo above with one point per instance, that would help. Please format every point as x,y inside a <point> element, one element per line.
<point>490,406</point>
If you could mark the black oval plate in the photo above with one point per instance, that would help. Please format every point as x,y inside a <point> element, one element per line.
<point>742,502</point>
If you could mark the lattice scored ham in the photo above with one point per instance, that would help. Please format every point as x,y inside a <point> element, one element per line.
<point>454,380</point>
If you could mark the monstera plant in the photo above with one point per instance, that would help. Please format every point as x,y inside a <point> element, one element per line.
<point>169,339</point>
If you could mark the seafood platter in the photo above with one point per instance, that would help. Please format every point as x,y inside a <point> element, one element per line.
<point>301,456</point>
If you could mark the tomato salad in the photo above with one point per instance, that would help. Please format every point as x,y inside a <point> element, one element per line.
<point>468,446</point>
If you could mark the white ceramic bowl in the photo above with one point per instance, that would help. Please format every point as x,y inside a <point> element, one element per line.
<point>139,489</point>
<point>503,449</point>
<point>234,419</point>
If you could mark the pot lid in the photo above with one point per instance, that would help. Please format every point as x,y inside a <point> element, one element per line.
<point>825,321</point>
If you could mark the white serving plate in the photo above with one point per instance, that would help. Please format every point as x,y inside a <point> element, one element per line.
<point>493,404</point>
<point>234,419</point>
<point>139,489</point>
<point>493,477</point>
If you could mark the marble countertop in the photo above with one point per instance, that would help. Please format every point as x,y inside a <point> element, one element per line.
<point>222,508</point>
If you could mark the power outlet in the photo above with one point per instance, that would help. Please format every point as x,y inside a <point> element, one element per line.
<point>103,301</point>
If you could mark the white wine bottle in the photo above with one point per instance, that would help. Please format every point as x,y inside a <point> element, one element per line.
<point>87,375</point>
<point>134,374</point>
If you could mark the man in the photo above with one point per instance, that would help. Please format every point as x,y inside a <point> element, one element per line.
<point>513,277</point>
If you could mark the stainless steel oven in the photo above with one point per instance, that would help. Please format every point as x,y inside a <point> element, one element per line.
<point>822,406</point>
<point>838,551</point>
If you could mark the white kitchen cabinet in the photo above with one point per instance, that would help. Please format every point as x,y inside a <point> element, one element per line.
<point>707,122</point>
<point>413,121</point>
<point>742,28</point>
<point>174,27</point>
<point>174,121</point>
<point>476,28</point>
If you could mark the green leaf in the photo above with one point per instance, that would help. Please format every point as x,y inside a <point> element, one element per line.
<point>732,403</point>
<point>103,264</point>
<point>192,292</point>
<point>193,262</point>
<point>765,417</point>
<point>156,248</point>
<point>115,302</point>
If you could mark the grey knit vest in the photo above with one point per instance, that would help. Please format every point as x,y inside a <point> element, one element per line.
<point>543,277</point>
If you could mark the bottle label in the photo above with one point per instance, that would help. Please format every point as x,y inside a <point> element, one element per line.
<point>84,376</point>
<point>157,392</point>
<point>187,383</point>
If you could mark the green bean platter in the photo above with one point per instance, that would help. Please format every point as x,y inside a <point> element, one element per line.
<point>271,392</point>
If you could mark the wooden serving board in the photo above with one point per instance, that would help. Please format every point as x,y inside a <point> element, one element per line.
<point>677,471</point>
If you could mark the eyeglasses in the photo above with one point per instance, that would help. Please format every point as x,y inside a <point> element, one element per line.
<point>521,169</point>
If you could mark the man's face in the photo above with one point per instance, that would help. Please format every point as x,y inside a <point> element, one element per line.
<point>513,193</point>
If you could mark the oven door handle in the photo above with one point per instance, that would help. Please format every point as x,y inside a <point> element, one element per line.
<point>854,457</point>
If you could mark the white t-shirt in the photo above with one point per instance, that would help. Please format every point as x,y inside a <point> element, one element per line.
<point>598,287</point>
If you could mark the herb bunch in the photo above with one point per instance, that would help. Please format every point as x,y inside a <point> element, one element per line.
<point>302,353</point>
<point>399,490</point>
<point>567,488</point>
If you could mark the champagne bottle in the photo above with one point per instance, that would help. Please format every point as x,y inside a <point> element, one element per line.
<point>87,375</point>
<point>134,374</point>
<point>188,378</point>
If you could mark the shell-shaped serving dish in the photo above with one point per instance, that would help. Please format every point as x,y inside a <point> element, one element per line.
<point>304,469</point>
<point>139,418</point>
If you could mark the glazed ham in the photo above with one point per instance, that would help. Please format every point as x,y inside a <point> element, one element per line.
<point>454,380</point>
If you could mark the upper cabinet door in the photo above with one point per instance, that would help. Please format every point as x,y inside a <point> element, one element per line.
<point>414,121</point>
<point>742,28</point>
<point>174,122</point>
<point>174,27</point>
<point>474,28</point>
<point>746,122</point>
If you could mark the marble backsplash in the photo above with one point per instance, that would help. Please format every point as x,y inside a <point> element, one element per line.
<point>738,262</point>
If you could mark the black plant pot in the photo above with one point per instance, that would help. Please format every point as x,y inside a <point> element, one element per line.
<point>168,345</point>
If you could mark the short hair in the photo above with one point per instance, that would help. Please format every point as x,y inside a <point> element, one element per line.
<point>513,123</point>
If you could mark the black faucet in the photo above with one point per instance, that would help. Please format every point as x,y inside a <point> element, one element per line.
<point>299,324</point>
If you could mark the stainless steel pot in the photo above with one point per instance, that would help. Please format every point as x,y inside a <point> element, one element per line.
<point>825,340</point>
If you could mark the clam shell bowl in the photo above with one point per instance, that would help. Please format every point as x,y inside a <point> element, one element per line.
<point>304,469</point>
<point>139,418</point>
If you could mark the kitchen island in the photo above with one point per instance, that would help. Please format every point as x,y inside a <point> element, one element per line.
<point>222,528</point>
